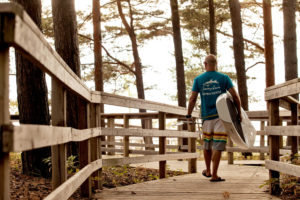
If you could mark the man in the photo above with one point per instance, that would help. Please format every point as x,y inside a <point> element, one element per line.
<point>210,85</point>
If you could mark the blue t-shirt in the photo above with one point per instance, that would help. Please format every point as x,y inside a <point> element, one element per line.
<point>210,85</point>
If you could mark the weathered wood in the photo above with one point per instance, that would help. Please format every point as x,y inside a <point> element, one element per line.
<point>71,185</point>
<point>95,153</point>
<point>146,132</point>
<point>110,138</point>
<point>27,137</point>
<point>126,138</point>
<point>283,130</point>
<point>142,145</point>
<point>4,118</point>
<point>285,168</point>
<point>84,147</point>
<point>229,153</point>
<point>162,145</point>
<point>274,145</point>
<point>129,102</point>
<point>192,164</point>
<point>148,158</point>
<point>294,121</point>
<point>59,118</point>
<point>262,140</point>
<point>288,88</point>
<point>152,115</point>
<point>252,149</point>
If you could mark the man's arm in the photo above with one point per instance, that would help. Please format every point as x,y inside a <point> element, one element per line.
<point>236,99</point>
<point>192,102</point>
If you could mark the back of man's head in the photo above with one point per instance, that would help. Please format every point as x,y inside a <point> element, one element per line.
<point>211,62</point>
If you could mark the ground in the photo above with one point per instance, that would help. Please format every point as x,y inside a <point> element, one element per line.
<point>36,188</point>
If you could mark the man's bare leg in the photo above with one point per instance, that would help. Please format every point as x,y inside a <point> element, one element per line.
<point>207,158</point>
<point>216,157</point>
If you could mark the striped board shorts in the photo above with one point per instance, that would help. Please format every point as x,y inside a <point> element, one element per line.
<point>214,135</point>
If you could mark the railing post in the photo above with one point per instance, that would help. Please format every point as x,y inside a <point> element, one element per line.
<point>95,154</point>
<point>59,118</point>
<point>162,144</point>
<point>126,138</point>
<point>148,139</point>
<point>274,146</point>
<point>4,120</point>
<point>84,146</point>
<point>262,140</point>
<point>230,154</point>
<point>294,121</point>
<point>192,165</point>
<point>111,139</point>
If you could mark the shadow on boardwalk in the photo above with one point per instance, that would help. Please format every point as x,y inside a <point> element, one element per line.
<point>242,182</point>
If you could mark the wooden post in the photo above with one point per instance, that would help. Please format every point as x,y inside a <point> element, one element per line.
<point>95,154</point>
<point>111,139</point>
<point>230,154</point>
<point>294,121</point>
<point>274,146</point>
<point>99,123</point>
<point>84,146</point>
<point>4,120</point>
<point>126,138</point>
<point>262,140</point>
<point>162,144</point>
<point>59,118</point>
<point>148,139</point>
<point>192,165</point>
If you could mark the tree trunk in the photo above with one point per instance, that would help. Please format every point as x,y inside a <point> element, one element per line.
<point>32,98</point>
<point>66,44</point>
<point>238,48</point>
<point>269,48</point>
<point>212,28</point>
<point>290,44</point>
<point>181,89</point>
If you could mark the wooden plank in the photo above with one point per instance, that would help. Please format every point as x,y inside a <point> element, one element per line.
<point>147,158</point>
<point>252,149</point>
<point>147,132</point>
<point>71,185</point>
<point>274,120</point>
<point>58,118</point>
<point>4,119</point>
<point>84,147</point>
<point>27,137</point>
<point>262,140</point>
<point>126,138</point>
<point>95,153</point>
<point>192,163</point>
<point>294,121</point>
<point>284,104</point>
<point>283,130</point>
<point>285,168</point>
<point>230,154</point>
<point>129,102</point>
<point>111,138</point>
<point>162,145</point>
<point>288,88</point>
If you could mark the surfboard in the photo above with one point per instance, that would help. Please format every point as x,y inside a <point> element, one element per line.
<point>241,133</point>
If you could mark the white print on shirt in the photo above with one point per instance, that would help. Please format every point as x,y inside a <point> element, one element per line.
<point>211,87</point>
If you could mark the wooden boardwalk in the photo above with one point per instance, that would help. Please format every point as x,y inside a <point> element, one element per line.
<point>242,182</point>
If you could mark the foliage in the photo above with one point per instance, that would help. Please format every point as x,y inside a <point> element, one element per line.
<point>72,164</point>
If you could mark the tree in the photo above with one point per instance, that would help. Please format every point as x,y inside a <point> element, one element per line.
<point>181,89</point>
<point>238,48</point>
<point>66,44</point>
<point>32,98</point>
<point>212,28</point>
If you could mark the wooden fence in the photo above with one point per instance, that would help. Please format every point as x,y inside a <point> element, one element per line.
<point>281,96</point>
<point>19,31</point>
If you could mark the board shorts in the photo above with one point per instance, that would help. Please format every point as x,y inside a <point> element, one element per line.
<point>214,135</point>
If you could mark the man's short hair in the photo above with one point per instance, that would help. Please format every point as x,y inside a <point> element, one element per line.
<point>211,60</point>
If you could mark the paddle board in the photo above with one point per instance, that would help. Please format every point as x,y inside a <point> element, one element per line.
<point>241,133</point>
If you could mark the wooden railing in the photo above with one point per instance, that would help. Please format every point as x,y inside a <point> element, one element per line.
<point>281,96</point>
<point>19,31</point>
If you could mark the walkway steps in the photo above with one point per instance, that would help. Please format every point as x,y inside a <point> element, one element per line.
<point>242,182</point>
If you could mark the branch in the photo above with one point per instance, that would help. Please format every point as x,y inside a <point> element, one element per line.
<point>260,62</point>
<point>109,55</point>
<point>249,41</point>
<point>125,23</point>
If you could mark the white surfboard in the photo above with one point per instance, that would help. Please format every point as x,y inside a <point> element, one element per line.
<point>241,133</point>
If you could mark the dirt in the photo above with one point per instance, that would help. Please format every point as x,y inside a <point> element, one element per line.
<point>36,188</point>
